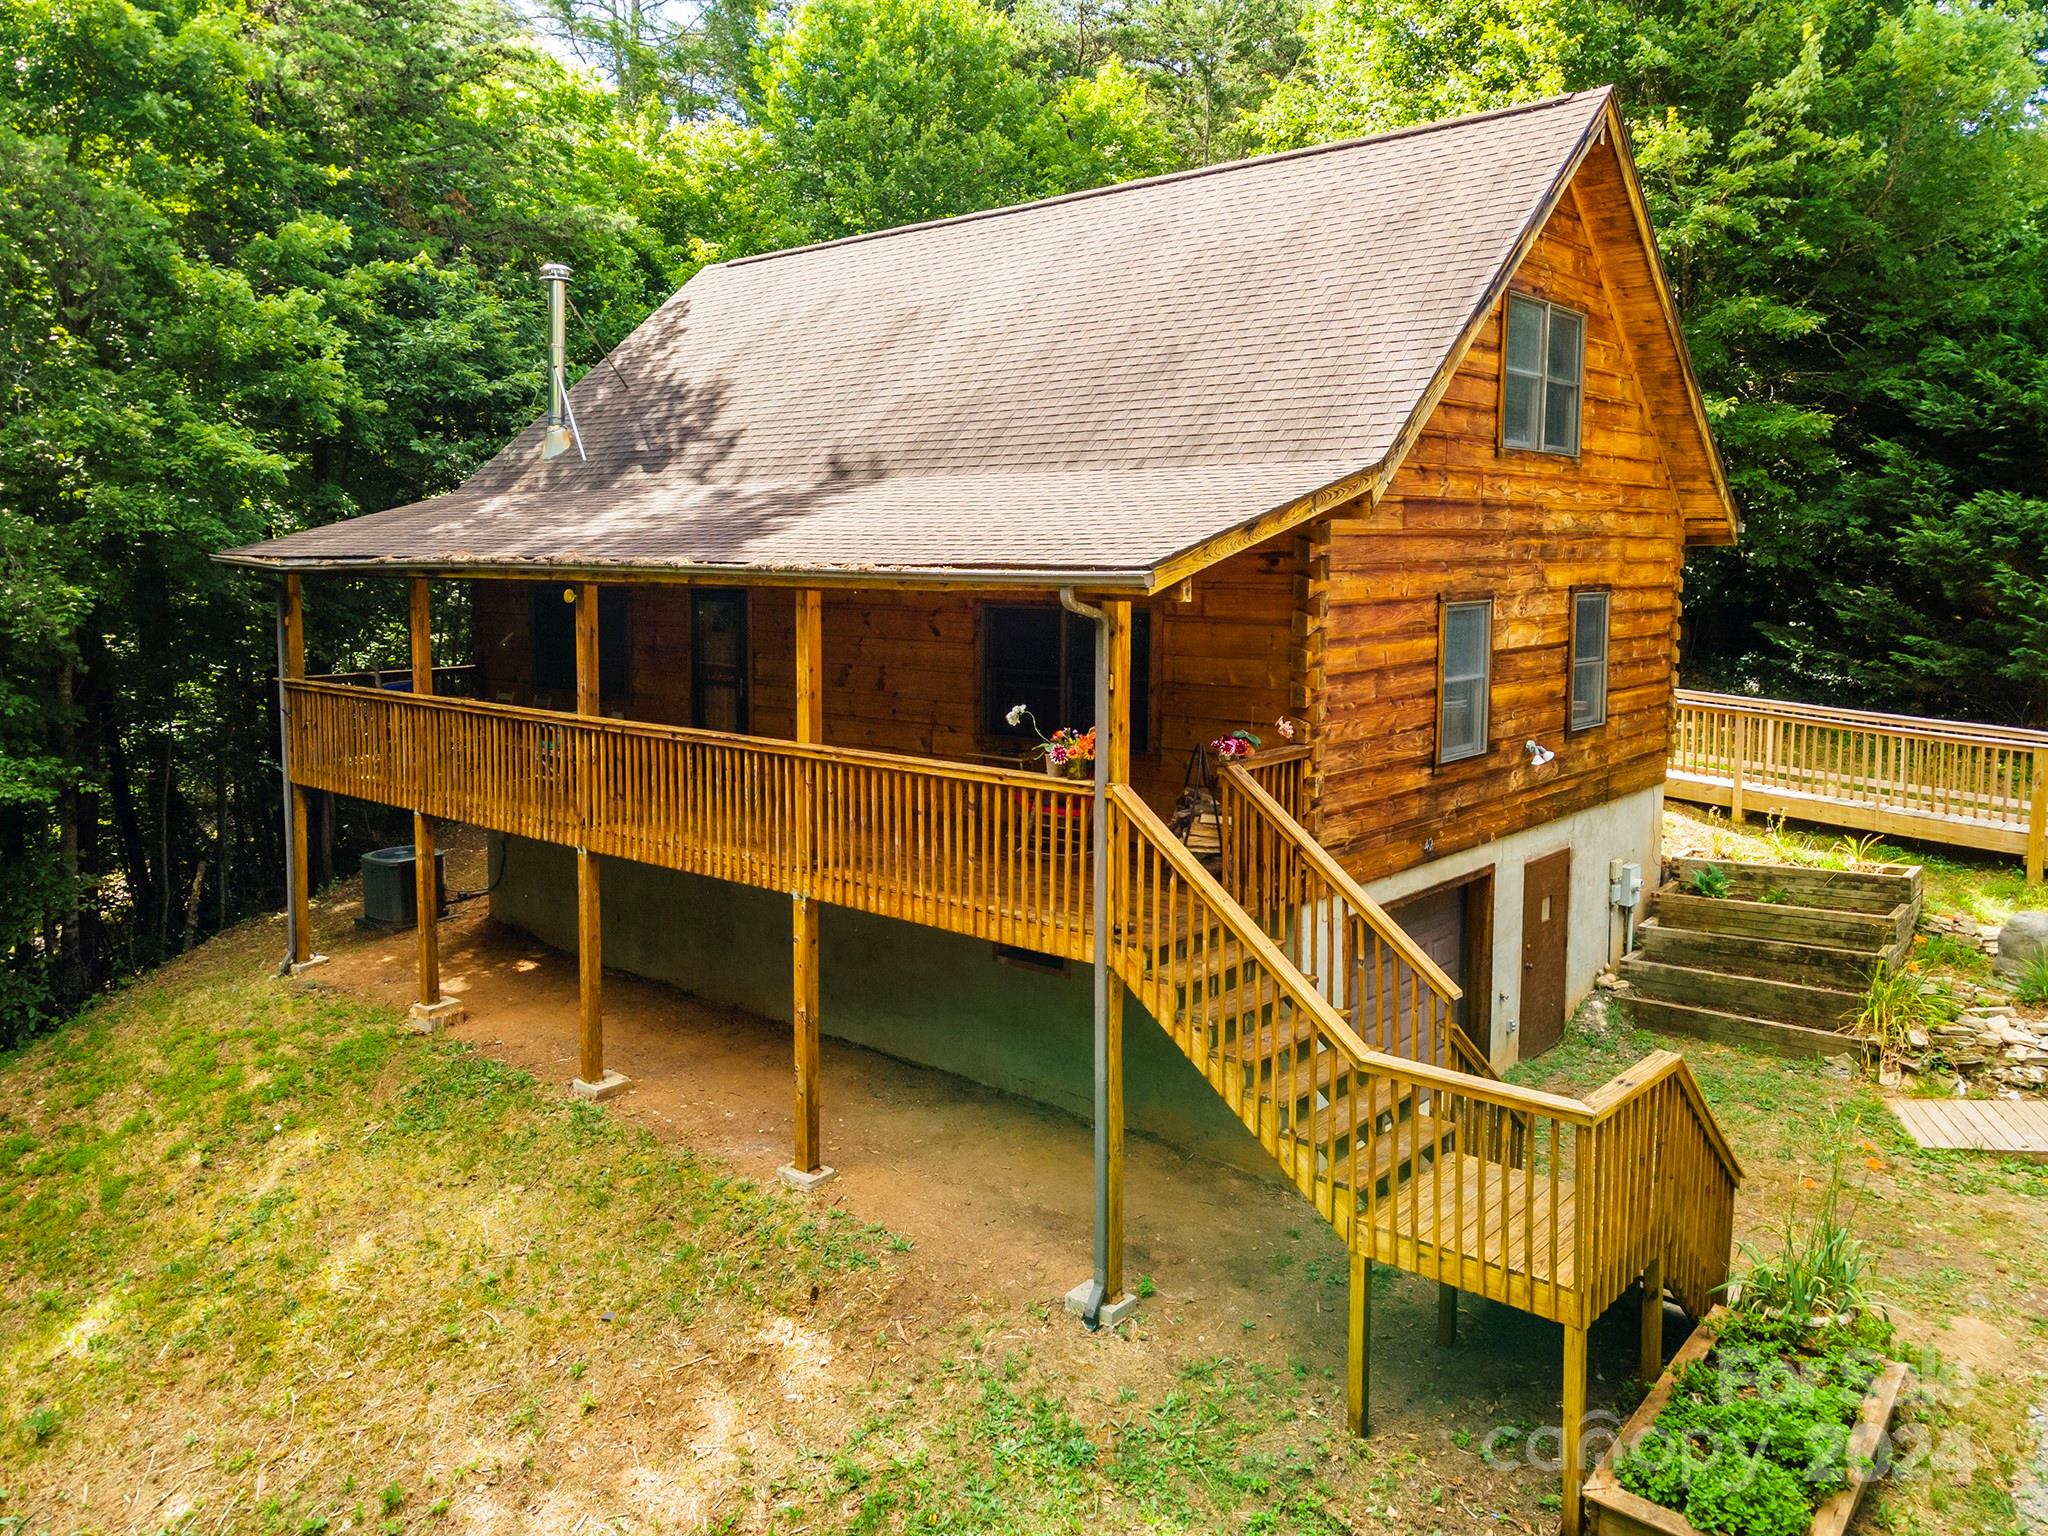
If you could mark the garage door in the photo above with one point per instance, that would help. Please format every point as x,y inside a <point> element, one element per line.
<point>1437,925</point>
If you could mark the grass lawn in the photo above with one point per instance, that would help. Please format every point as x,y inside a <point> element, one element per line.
<point>269,1265</point>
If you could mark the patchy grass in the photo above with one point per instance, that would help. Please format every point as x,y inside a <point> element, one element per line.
<point>268,1265</point>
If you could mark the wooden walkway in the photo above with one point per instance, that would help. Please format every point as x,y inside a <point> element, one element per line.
<point>2010,1127</point>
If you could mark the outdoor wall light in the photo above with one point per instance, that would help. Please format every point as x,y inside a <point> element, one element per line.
<point>1538,753</point>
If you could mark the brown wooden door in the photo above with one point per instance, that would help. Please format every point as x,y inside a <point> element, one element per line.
<point>1546,899</point>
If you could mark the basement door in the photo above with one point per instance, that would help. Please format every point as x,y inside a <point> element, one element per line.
<point>1437,924</point>
<point>1546,897</point>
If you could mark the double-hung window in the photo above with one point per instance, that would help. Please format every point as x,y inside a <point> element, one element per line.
<point>1542,382</point>
<point>1467,674</point>
<point>1589,660</point>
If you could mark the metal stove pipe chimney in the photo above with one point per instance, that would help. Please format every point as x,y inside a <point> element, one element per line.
<point>561,425</point>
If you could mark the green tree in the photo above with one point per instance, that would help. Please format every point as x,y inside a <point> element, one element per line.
<point>1850,197</point>
<point>885,112</point>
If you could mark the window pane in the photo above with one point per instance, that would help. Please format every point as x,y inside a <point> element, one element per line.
<point>1020,665</point>
<point>1564,345</point>
<point>1561,418</point>
<point>1589,694</point>
<point>1464,719</point>
<point>1518,411</point>
<point>718,659</point>
<point>1589,660</point>
<point>1525,336</point>
<point>1465,639</point>
<point>1589,626</point>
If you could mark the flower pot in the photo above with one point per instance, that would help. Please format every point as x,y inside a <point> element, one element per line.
<point>1611,1510</point>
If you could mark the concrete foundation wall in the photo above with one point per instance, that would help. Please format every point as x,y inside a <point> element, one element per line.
<point>910,992</point>
<point>1629,828</point>
<point>945,1001</point>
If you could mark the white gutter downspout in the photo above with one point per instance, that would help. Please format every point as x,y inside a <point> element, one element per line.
<point>1097,1288</point>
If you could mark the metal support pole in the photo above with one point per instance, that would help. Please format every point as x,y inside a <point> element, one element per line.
<point>284,774</point>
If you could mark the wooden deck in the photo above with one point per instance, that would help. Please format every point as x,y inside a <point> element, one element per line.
<point>1942,781</point>
<point>2008,1127</point>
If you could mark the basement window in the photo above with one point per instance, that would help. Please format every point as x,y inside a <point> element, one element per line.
<point>1044,658</point>
<point>1543,376</point>
<point>1589,660</point>
<point>1466,661</point>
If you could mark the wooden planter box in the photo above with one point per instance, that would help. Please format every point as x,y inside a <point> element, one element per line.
<point>1611,1510</point>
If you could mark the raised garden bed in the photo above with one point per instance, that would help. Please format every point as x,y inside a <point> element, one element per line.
<point>1612,1510</point>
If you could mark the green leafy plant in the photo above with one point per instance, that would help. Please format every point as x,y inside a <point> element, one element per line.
<point>2033,987</point>
<point>1777,896</point>
<point>1709,881</point>
<point>1819,1275</point>
<point>1898,1002</point>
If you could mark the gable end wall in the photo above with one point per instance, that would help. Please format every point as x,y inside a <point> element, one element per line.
<point>1465,518</point>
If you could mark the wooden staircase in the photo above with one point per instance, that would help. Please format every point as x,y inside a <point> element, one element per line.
<point>1780,962</point>
<point>1330,1035</point>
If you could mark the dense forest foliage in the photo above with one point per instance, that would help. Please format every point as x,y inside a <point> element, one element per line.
<point>268,265</point>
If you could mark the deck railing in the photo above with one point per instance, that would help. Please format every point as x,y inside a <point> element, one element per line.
<point>1283,774</point>
<point>1955,782</point>
<point>994,853</point>
<point>1396,997</point>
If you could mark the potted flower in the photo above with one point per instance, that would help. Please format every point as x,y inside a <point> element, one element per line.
<point>1234,748</point>
<point>1067,753</point>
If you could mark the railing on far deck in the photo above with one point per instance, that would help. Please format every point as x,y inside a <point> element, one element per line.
<point>995,853</point>
<point>1977,786</point>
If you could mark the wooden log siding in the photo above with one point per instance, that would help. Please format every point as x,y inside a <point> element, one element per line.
<point>902,671</point>
<point>1978,786</point>
<point>994,853</point>
<point>1466,518</point>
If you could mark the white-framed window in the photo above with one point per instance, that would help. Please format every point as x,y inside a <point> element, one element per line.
<point>1589,660</point>
<point>1466,667</point>
<point>1541,383</point>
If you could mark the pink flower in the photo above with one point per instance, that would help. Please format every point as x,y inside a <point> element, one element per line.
<point>1285,727</point>
<point>1057,753</point>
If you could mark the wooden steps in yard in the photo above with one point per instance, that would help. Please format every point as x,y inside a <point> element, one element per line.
<point>1784,974</point>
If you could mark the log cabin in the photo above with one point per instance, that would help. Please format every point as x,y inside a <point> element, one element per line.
<point>1391,445</point>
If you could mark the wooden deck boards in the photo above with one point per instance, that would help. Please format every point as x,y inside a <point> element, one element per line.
<point>2009,1127</point>
<point>1490,1241</point>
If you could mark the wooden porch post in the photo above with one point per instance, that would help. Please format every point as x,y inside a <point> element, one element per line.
<point>431,1011</point>
<point>1358,1355</point>
<point>291,668</point>
<point>1574,1425</point>
<point>1651,1365</point>
<point>806,1169</point>
<point>592,1080</point>
<point>1114,734</point>
<point>2037,819</point>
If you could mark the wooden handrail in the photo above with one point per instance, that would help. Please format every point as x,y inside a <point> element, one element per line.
<point>1325,864</point>
<point>1928,726</point>
<point>1960,782</point>
<point>983,773</point>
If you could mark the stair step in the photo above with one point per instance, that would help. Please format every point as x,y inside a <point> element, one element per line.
<point>1734,1028</point>
<point>1753,997</point>
<point>1793,960</point>
<point>1394,1152</point>
<point>1869,931</point>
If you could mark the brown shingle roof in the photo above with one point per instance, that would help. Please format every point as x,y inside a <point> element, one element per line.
<point>1077,389</point>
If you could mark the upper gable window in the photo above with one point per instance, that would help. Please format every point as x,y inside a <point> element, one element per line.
<point>1542,383</point>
